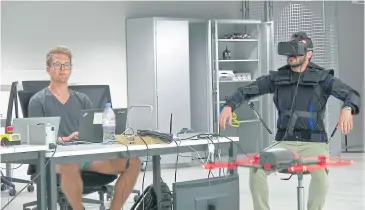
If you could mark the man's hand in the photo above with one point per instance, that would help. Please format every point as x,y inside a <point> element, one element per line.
<point>226,115</point>
<point>71,137</point>
<point>346,123</point>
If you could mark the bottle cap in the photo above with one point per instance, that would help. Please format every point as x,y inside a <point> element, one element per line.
<point>108,105</point>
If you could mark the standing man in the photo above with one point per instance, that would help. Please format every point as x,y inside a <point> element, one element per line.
<point>59,100</point>
<point>301,90</point>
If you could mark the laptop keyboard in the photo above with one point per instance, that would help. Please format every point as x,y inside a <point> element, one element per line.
<point>74,143</point>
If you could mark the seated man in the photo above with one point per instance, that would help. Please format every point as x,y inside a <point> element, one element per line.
<point>59,100</point>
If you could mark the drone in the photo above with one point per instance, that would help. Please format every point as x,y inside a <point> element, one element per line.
<point>284,161</point>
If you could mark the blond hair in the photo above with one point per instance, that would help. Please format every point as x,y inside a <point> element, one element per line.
<point>58,50</point>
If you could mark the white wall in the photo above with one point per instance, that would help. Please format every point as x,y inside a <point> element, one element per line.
<point>351,59</point>
<point>95,32</point>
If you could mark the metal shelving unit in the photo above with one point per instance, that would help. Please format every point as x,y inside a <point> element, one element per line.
<point>248,55</point>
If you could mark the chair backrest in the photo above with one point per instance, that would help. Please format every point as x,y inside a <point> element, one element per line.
<point>34,85</point>
<point>24,98</point>
<point>98,94</point>
<point>26,90</point>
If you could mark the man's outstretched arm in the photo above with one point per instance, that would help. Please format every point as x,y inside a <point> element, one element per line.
<point>351,105</point>
<point>345,93</point>
<point>263,85</point>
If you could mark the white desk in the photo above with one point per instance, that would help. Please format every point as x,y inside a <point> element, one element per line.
<point>93,152</point>
<point>22,149</point>
<point>29,154</point>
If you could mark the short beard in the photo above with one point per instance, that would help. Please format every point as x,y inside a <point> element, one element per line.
<point>301,62</point>
<point>296,65</point>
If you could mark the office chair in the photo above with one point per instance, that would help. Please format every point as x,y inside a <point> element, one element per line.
<point>93,182</point>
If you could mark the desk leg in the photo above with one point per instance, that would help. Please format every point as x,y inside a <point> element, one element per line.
<point>156,167</point>
<point>232,154</point>
<point>41,182</point>
<point>51,186</point>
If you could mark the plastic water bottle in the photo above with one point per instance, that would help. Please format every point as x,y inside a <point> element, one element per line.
<point>108,124</point>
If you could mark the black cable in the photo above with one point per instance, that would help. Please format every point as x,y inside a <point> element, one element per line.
<point>235,144</point>
<point>31,181</point>
<point>192,157</point>
<point>291,113</point>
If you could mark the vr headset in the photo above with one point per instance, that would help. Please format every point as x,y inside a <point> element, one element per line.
<point>292,48</point>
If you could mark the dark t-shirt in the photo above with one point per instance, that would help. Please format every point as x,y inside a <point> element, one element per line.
<point>45,104</point>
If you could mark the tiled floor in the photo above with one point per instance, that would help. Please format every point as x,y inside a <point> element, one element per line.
<point>346,191</point>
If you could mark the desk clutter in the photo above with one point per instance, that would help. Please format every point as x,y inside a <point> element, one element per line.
<point>237,36</point>
<point>9,137</point>
<point>143,137</point>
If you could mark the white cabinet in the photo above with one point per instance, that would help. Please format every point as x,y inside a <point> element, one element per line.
<point>168,69</point>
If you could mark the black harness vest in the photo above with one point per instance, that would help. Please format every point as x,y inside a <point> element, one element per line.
<point>306,123</point>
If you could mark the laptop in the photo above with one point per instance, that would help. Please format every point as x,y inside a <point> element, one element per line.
<point>21,126</point>
<point>90,124</point>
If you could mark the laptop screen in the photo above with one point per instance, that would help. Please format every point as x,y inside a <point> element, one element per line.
<point>90,124</point>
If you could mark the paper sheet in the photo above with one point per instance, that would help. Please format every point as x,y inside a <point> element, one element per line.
<point>98,118</point>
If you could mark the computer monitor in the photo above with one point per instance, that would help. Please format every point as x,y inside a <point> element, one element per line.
<point>207,194</point>
<point>98,94</point>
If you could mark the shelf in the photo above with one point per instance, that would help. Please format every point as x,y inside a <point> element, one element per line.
<point>254,100</point>
<point>249,121</point>
<point>238,21</point>
<point>238,40</point>
<point>239,60</point>
<point>226,81</point>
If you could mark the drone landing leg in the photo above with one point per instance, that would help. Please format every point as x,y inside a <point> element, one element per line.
<point>300,192</point>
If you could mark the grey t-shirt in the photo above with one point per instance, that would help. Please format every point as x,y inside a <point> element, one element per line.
<point>45,104</point>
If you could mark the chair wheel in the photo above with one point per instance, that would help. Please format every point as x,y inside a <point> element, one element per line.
<point>12,192</point>
<point>102,208</point>
<point>135,198</point>
<point>3,187</point>
<point>30,188</point>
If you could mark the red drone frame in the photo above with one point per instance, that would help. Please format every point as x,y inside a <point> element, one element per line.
<point>292,165</point>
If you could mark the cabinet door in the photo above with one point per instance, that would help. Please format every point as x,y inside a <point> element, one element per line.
<point>172,70</point>
<point>267,51</point>
<point>201,76</point>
